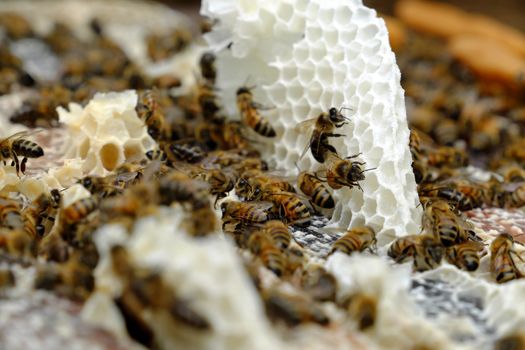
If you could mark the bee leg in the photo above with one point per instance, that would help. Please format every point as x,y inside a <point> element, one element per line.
<point>333,135</point>
<point>17,165</point>
<point>355,156</point>
<point>23,165</point>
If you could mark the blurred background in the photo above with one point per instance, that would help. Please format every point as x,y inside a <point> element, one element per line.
<point>511,12</point>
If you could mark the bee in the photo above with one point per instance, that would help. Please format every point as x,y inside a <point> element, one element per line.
<point>271,256</point>
<point>312,187</point>
<point>207,66</point>
<point>77,280</point>
<point>15,26</point>
<point>515,341</point>
<point>157,154</point>
<point>403,247</point>
<point>446,156</point>
<point>15,145</point>
<point>428,253</point>
<point>250,115</point>
<point>78,210</point>
<point>512,172</point>
<point>149,111</point>
<point>198,227</point>
<point>279,233</point>
<point>362,308</point>
<point>221,183</point>
<point>186,150</point>
<point>502,265</point>
<point>289,204</point>
<point>323,129</point>
<point>293,309</point>
<point>7,278</point>
<point>511,195</point>
<point>344,172</point>
<point>251,212</point>
<point>465,255</point>
<point>167,81</point>
<point>355,240</point>
<point>17,242</point>
<point>419,162</point>
<point>208,102</point>
<point>10,213</point>
<point>161,47</point>
<point>446,131</point>
<point>100,186</point>
<point>179,187</point>
<point>319,283</point>
<point>445,223</point>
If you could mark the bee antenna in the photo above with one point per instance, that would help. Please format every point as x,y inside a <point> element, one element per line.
<point>368,169</point>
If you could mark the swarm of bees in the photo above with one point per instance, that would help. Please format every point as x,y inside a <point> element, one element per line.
<point>203,156</point>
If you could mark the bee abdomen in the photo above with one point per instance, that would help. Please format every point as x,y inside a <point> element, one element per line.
<point>322,198</point>
<point>27,148</point>
<point>80,209</point>
<point>345,245</point>
<point>264,128</point>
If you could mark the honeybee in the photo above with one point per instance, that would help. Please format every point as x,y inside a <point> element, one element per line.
<point>271,256</point>
<point>201,221</point>
<point>17,242</point>
<point>355,240</point>
<point>502,265</point>
<point>362,308</point>
<point>208,102</point>
<point>445,223</point>
<point>290,206</point>
<point>323,129</point>
<point>15,145</point>
<point>344,172</point>
<point>419,162</point>
<point>465,255</point>
<point>78,210</point>
<point>221,183</point>
<point>319,283</point>
<point>179,187</point>
<point>512,172</point>
<point>279,233</point>
<point>163,46</point>
<point>186,150</point>
<point>250,115</point>
<point>446,131</point>
<point>207,66</point>
<point>293,309</point>
<point>447,156</point>
<point>77,280</point>
<point>510,195</point>
<point>10,213</point>
<point>403,247</point>
<point>7,278</point>
<point>157,154</point>
<point>312,186</point>
<point>150,112</point>
<point>100,186</point>
<point>428,253</point>
<point>167,81</point>
<point>252,212</point>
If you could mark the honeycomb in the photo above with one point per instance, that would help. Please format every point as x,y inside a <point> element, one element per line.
<point>105,133</point>
<point>304,57</point>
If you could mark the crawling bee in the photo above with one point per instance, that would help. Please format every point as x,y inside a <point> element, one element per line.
<point>271,256</point>
<point>252,212</point>
<point>186,150</point>
<point>289,204</point>
<point>179,187</point>
<point>355,240</point>
<point>78,210</point>
<point>150,112</point>
<point>465,255</point>
<point>312,187</point>
<point>428,253</point>
<point>208,102</point>
<point>446,223</point>
<point>15,145</point>
<point>220,182</point>
<point>10,213</point>
<point>502,265</point>
<point>344,172</point>
<point>279,233</point>
<point>512,172</point>
<point>250,115</point>
<point>323,128</point>
<point>207,66</point>
<point>362,308</point>
<point>446,156</point>
<point>293,309</point>
<point>403,247</point>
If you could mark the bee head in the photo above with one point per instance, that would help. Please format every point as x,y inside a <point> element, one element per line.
<point>243,90</point>
<point>335,115</point>
<point>207,58</point>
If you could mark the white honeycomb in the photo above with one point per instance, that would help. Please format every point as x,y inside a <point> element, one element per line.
<point>105,133</point>
<point>304,57</point>
<point>198,273</point>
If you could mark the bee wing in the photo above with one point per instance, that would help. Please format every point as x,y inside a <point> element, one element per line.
<point>21,134</point>
<point>261,205</point>
<point>127,176</point>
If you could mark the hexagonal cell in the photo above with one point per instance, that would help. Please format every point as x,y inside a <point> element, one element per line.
<point>369,207</point>
<point>364,106</point>
<point>342,17</point>
<point>301,54</point>
<point>312,10</point>
<point>133,151</point>
<point>317,53</point>
<point>301,5</point>
<point>288,73</point>
<point>313,34</point>
<point>387,202</point>
<point>324,72</point>
<point>388,172</point>
<point>364,87</point>
<point>110,156</point>
<point>375,155</point>
<point>306,74</point>
<point>314,92</point>
<point>276,93</point>
<point>325,16</point>
<point>358,220</point>
<point>331,37</point>
<point>370,184</point>
<point>285,11</point>
<point>376,221</point>
<point>294,92</point>
<point>338,100</point>
<point>368,32</point>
